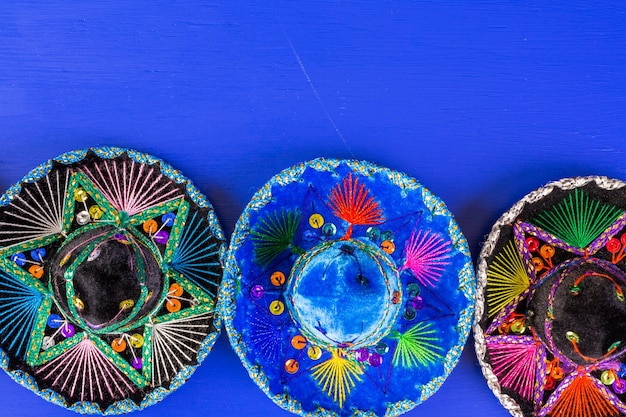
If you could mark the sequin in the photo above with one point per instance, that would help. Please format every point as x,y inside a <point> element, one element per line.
<point>292,366</point>
<point>277,279</point>
<point>298,342</point>
<point>67,330</point>
<point>118,344</point>
<point>277,307</point>
<point>136,340</point>
<point>316,220</point>
<point>314,352</point>
<point>256,292</point>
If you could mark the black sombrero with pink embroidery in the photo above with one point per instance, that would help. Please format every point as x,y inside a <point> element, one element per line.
<point>551,315</point>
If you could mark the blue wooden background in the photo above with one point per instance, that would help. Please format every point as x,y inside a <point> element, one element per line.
<point>483,101</point>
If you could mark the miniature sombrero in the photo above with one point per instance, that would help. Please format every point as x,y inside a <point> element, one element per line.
<point>110,262</point>
<point>551,314</point>
<point>348,290</point>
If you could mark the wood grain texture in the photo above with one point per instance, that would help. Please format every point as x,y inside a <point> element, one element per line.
<point>483,101</point>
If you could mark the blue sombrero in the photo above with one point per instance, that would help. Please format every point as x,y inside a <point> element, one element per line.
<point>109,270</point>
<point>348,289</point>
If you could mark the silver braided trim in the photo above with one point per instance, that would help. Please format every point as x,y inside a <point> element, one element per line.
<point>481,271</point>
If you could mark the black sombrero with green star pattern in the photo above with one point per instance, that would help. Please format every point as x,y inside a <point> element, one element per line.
<point>110,261</point>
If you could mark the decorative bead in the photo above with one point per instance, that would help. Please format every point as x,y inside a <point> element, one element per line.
<point>387,235</point>
<point>329,229</point>
<point>161,237</point>
<point>382,348</point>
<point>54,321</point>
<point>607,377</point>
<point>375,359</point>
<point>314,352</point>
<point>150,226</point>
<point>36,271</point>
<point>622,239</point>
<point>277,279</point>
<point>38,254</point>
<point>136,340</point>
<point>168,219</point>
<point>316,220</point>
<point>574,289</point>
<point>173,305</point>
<point>137,363</point>
<point>83,217</point>
<point>93,255</point>
<point>362,354</point>
<point>547,251</point>
<point>19,259</point>
<point>373,233</point>
<point>298,342</point>
<point>277,307</point>
<point>257,291</point>
<point>388,246</point>
<point>120,238</point>
<point>96,212</point>
<point>413,290</point>
<point>538,263</point>
<point>417,303</point>
<point>557,373</point>
<point>291,366</point>
<point>619,386</point>
<point>67,330</point>
<point>572,337</point>
<point>175,290</point>
<point>613,245</point>
<point>118,344</point>
<point>47,342</point>
<point>78,303</point>
<point>80,195</point>
<point>409,313</point>
<point>532,243</point>
<point>518,326</point>
<point>309,236</point>
<point>550,384</point>
<point>127,304</point>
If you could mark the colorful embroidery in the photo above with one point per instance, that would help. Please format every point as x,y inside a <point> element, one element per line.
<point>552,334</point>
<point>349,288</point>
<point>109,270</point>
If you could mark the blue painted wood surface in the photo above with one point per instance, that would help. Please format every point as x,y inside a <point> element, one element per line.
<point>483,101</point>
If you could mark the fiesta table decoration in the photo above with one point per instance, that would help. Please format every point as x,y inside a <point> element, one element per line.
<point>110,261</point>
<point>348,290</point>
<point>551,315</point>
